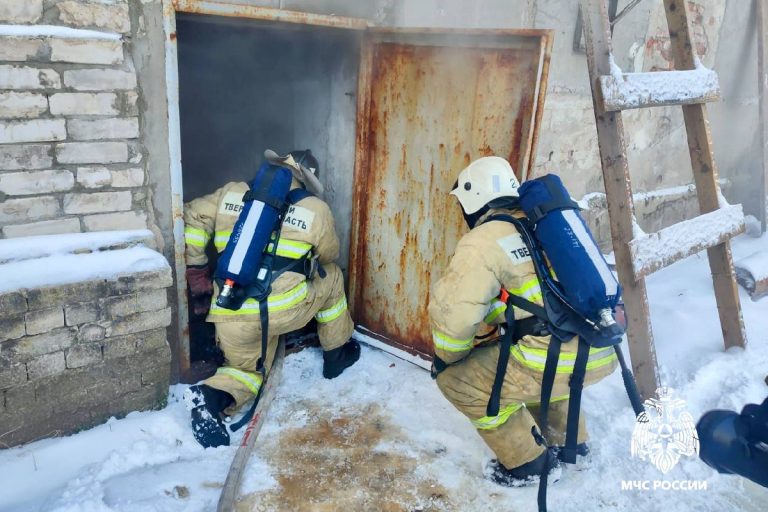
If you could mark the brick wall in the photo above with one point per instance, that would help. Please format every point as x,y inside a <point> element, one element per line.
<point>71,356</point>
<point>70,157</point>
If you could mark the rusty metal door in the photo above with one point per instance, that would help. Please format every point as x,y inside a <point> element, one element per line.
<point>430,102</point>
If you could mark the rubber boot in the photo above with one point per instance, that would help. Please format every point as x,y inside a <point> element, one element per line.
<point>526,475</point>
<point>337,360</point>
<point>206,405</point>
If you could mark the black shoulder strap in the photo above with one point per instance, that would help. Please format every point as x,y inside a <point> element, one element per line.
<point>494,401</point>
<point>297,194</point>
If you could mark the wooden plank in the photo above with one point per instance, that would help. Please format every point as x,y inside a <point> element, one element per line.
<point>659,89</point>
<point>231,488</point>
<point>654,251</point>
<point>762,72</point>
<point>705,176</point>
<point>613,153</point>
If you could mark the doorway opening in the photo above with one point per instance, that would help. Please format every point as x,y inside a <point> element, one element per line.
<point>250,85</point>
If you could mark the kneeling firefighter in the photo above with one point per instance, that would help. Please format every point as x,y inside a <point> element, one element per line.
<point>293,281</point>
<point>510,387</point>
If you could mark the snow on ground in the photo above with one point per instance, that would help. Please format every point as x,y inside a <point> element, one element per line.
<point>381,437</point>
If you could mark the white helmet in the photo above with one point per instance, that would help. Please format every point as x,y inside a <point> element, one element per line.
<point>484,180</point>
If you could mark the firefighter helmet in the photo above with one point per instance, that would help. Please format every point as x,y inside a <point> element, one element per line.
<point>484,180</point>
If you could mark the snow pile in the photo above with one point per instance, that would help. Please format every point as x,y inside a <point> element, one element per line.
<point>652,251</point>
<point>752,274</point>
<point>756,264</point>
<point>51,260</point>
<point>423,454</point>
<point>633,90</point>
<point>56,31</point>
<point>16,249</point>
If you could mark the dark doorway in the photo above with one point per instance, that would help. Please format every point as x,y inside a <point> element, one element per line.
<point>246,86</point>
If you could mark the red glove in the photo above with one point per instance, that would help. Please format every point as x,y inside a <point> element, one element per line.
<point>200,288</point>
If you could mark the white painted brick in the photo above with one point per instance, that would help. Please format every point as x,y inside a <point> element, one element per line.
<point>98,177</point>
<point>93,129</point>
<point>19,49</point>
<point>36,182</point>
<point>25,156</point>
<point>115,221</point>
<point>83,104</point>
<point>128,178</point>
<point>86,14</point>
<point>19,105</point>
<point>99,79</point>
<point>94,177</point>
<point>92,152</point>
<point>97,202</point>
<point>14,211</point>
<point>34,130</point>
<point>21,11</point>
<point>24,77</point>
<point>86,51</point>
<point>45,227</point>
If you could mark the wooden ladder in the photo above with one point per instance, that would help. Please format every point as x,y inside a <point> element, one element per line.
<point>639,256</point>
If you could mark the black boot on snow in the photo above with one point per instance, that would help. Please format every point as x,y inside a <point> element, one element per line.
<point>206,405</point>
<point>527,474</point>
<point>583,457</point>
<point>337,360</point>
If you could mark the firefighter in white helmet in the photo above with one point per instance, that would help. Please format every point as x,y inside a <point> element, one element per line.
<point>466,305</point>
<point>308,231</point>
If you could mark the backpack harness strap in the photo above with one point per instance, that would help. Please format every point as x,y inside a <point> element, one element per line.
<point>262,289</point>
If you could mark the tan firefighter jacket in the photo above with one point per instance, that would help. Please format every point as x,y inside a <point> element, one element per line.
<point>308,226</point>
<point>491,256</point>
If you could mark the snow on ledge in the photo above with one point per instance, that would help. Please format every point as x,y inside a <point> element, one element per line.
<point>622,91</point>
<point>75,268</point>
<point>654,251</point>
<point>52,260</point>
<point>17,249</point>
<point>56,31</point>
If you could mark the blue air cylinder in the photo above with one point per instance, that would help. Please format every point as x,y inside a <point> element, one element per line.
<point>578,265</point>
<point>241,259</point>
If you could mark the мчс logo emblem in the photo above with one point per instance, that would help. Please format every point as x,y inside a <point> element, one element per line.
<point>665,432</point>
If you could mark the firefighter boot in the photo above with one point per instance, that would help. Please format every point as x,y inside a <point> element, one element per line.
<point>527,474</point>
<point>337,360</point>
<point>206,405</point>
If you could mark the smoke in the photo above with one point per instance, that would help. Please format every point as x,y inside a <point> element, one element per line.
<point>246,86</point>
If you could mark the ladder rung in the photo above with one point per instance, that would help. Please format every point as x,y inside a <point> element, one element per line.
<point>661,88</point>
<point>654,251</point>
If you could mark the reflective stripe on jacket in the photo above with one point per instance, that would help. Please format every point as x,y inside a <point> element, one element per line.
<point>490,257</point>
<point>308,226</point>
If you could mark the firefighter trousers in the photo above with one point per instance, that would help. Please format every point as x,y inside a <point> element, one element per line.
<point>467,385</point>
<point>241,340</point>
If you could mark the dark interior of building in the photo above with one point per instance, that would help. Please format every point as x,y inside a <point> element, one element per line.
<point>246,86</point>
